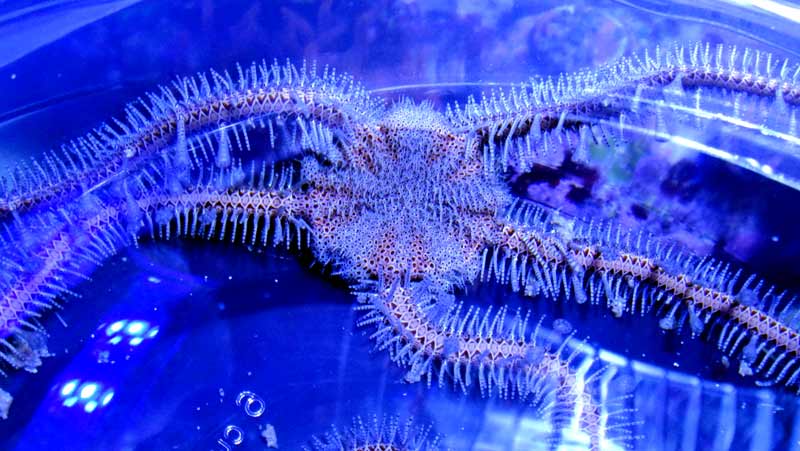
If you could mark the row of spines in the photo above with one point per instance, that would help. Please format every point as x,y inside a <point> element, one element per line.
<point>622,292</point>
<point>547,122</point>
<point>544,373</point>
<point>48,253</point>
<point>377,433</point>
<point>626,73</point>
<point>113,148</point>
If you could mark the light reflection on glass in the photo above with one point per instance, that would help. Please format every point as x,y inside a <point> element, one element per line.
<point>88,394</point>
<point>135,331</point>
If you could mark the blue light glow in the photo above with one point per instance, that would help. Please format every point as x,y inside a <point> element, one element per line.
<point>91,395</point>
<point>136,329</point>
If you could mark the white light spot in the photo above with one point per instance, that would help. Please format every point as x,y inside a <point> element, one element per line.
<point>107,397</point>
<point>136,341</point>
<point>153,279</point>
<point>90,406</point>
<point>115,327</point>
<point>88,390</point>
<point>69,387</point>
<point>136,327</point>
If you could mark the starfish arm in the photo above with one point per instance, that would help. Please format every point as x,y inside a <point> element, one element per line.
<point>206,117</point>
<point>378,434</point>
<point>425,331</point>
<point>542,252</point>
<point>636,96</point>
<point>56,251</point>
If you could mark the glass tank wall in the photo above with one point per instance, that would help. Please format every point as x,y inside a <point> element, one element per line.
<point>399,225</point>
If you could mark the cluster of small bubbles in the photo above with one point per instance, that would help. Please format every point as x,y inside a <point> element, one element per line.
<point>254,406</point>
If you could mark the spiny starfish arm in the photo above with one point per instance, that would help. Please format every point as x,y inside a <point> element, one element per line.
<point>531,123</point>
<point>538,252</point>
<point>75,242</point>
<point>425,331</point>
<point>386,434</point>
<point>208,116</point>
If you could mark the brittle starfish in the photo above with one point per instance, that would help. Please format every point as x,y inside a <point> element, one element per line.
<point>377,435</point>
<point>407,204</point>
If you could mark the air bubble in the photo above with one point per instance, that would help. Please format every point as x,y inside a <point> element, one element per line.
<point>254,406</point>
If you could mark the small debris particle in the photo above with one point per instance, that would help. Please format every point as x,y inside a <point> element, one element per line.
<point>562,326</point>
<point>5,403</point>
<point>269,436</point>
<point>744,369</point>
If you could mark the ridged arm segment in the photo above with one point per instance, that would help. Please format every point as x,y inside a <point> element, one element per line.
<point>533,122</point>
<point>425,331</point>
<point>206,117</point>
<point>544,252</point>
<point>49,265</point>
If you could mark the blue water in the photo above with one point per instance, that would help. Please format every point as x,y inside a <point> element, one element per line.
<point>196,345</point>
